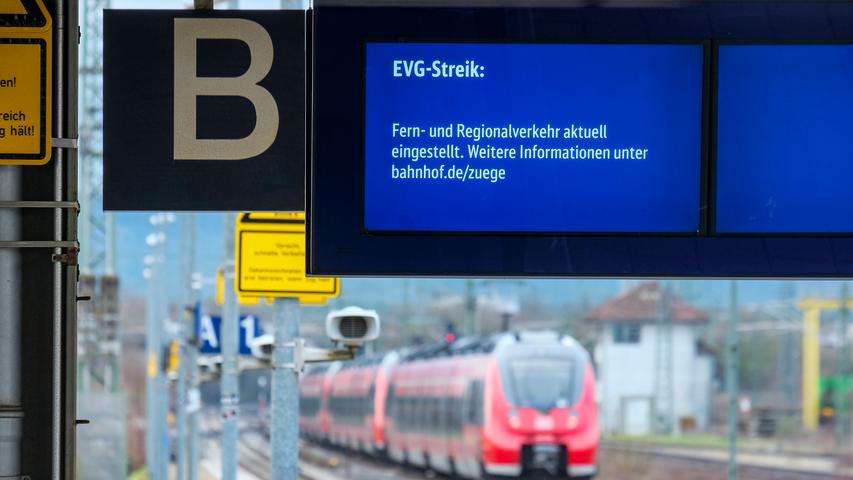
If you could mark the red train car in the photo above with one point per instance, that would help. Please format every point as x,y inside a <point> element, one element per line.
<point>314,420</point>
<point>353,403</point>
<point>502,406</point>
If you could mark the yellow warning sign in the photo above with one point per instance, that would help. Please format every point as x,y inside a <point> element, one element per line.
<point>15,7</point>
<point>271,259</point>
<point>25,82</point>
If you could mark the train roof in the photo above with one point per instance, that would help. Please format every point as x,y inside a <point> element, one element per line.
<point>462,347</point>
<point>485,344</point>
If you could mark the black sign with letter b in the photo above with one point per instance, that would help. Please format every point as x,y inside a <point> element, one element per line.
<point>204,110</point>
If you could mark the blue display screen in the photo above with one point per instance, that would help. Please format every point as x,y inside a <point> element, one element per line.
<point>533,137</point>
<point>785,139</point>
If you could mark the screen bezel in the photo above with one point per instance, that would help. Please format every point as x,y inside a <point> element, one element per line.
<point>702,188</point>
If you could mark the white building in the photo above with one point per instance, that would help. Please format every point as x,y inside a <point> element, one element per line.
<point>654,372</point>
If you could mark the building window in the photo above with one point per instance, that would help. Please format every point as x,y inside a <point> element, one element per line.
<point>626,333</point>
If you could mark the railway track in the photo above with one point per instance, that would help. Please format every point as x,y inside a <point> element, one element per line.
<point>357,466</point>
<point>618,461</point>
<point>710,464</point>
<point>255,459</point>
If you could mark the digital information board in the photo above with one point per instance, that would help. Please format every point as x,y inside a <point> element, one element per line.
<point>785,139</point>
<point>696,141</point>
<point>472,137</point>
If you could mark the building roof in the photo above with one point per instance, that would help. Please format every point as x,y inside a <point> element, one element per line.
<point>640,305</point>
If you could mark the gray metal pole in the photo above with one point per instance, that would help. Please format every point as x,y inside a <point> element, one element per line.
<point>189,362</point>
<point>152,346</point>
<point>186,326</point>
<point>64,277</point>
<point>157,434</point>
<point>192,365</point>
<point>230,390</point>
<point>110,240</point>
<point>11,410</point>
<point>842,396</point>
<point>192,356</point>
<point>192,428</point>
<point>663,376</point>
<point>162,380</point>
<point>230,393</point>
<point>285,392</point>
<point>731,380</point>
<point>66,93</point>
<point>470,308</point>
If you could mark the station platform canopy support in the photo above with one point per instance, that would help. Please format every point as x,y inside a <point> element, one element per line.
<point>38,239</point>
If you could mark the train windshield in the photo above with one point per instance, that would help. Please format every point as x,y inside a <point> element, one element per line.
<point>541,382</point>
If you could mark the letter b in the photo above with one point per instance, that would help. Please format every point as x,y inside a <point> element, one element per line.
<point>188,86</point>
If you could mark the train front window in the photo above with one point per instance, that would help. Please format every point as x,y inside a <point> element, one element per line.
<point>541,383</point>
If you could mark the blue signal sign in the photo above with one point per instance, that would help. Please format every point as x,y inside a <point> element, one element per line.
<point>209,331</point>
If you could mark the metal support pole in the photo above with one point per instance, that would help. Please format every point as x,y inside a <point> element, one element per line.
<point>186,332</point>
<point>162,380</point>
<point>11,410</point>
<point>192,361</point>
<point>664,387</point>
<point>842,395</point>
<point>285,391</point>
<point>110,240</point>
<point>64,350</point>
<point>732,381</point>
<point>192,427</point>
<point>470,308</point>
<point>157,433</point>
<point>230,399</point>
<point>152,346</point>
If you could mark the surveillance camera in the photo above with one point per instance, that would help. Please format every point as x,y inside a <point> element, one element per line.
<point>262,347</point>
<point>352,326</point>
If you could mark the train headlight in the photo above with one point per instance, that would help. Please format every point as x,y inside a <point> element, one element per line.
<point>572,421</point>
<point>514,421</point>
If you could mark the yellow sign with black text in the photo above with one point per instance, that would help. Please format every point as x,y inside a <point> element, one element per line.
<point>271,259</point>
<point>26,30</point>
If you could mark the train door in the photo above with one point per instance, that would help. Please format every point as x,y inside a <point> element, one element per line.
<point>440,445</point>
<point>472,430</point>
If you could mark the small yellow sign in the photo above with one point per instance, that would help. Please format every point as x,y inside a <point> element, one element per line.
<point>174,357</point>
<point>220,291</point>
<point>152,365</point>
<point>271,259</point>
<point>25,82</point>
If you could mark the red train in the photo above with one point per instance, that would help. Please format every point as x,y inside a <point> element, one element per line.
<point>502,406</point>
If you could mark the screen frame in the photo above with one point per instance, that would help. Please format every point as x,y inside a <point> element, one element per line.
<point>713,172</point>
<point>704,141</point>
